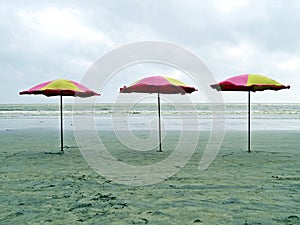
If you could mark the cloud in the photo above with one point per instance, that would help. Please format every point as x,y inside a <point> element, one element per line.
<point>229,6</point>
<point>48,42</point>
<point>291,64</point>
<point>63,24</point>
<point>49,39</point>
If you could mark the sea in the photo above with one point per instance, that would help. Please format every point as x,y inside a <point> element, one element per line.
<point>143,116</point>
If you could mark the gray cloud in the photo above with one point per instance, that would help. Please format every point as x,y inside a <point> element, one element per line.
<point>49,39</point>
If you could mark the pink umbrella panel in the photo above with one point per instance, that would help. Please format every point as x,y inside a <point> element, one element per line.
<point>249,82</point>
<point>61,87</point>
<point>159,85</point>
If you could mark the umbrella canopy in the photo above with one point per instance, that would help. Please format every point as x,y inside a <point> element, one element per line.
<point>159,85</point>
<point>249,82</point>
<point>60,87</point>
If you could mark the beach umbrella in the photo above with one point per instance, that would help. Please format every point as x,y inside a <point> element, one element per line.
<point>248,83</point>
<point>159,85</point>
<point>60,87</point>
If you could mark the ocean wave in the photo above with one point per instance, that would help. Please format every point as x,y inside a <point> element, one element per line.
<point>232,111</point>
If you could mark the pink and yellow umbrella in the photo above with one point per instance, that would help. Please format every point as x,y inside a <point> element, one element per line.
<point>60,87</point>
<point>249,82</point>
<point>159,85</point>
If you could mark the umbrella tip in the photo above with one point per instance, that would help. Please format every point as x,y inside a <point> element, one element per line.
<point>122,89</point>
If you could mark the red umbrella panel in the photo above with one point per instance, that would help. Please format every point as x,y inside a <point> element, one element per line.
<point>249,82</point>
<point>159,85</point>
<point>60,87</point>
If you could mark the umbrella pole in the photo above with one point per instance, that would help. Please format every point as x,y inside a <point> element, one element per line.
<point>159,125</point>
<point>61,126</point>
<point>249,124</point>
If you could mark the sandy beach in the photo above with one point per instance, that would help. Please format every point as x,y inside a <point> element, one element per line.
<point>107,80</point>
<point>39,187</point>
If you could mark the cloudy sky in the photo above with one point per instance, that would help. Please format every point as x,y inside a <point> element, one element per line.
<point>45,40</point>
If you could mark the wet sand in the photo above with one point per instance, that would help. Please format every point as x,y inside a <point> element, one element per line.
<point>39,187</point>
